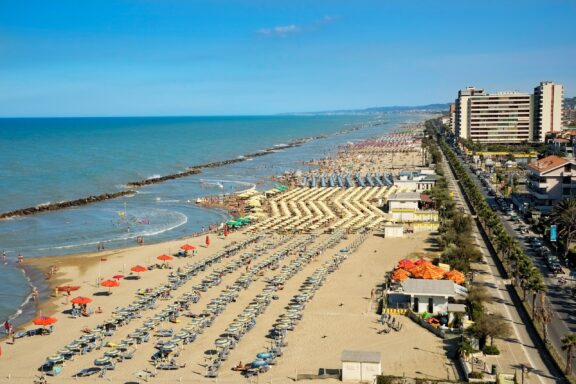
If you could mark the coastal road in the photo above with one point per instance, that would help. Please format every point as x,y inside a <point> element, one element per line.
<point>520,349</point>
<point>559,296</point>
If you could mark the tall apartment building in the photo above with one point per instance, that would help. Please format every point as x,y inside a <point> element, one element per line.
<point>548,109</point>
<point>461,110</point>
<point>452,116</point>
<point>503,117</point>
<point>509,117</point>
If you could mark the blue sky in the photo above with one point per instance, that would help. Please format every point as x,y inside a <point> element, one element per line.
<point>215,57</point>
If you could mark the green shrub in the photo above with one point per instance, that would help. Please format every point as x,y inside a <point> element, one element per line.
<point>491,350</point>
<point>476,375</point>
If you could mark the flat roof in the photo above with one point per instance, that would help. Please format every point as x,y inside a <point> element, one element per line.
<point>426,287</point>
<point>405,196</point>
<point>361,356</point>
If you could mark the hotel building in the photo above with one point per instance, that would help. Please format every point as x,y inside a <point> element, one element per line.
<point>548,105</point>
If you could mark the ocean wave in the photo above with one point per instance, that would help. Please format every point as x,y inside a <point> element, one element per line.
<point>43,204</point>
<point>28,298</point>
<point>153,177</point>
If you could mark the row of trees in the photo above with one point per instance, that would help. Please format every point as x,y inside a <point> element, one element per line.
<point>458,250</point>
<point>517,264</point>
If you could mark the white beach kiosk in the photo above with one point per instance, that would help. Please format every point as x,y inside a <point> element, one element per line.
<point>360,365</point>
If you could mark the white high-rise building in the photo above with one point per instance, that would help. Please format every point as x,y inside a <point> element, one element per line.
<point>548,109</point>
<point>503,117</point>
<point>461,112</point>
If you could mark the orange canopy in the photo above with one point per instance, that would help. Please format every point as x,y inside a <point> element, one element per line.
<point>138,268</point>
<point>68,288</point>
<point>188,247</point>
<point>165,257</point>
<point>455,276</point>
<point>400,274</point>
<point>44,320</point>
<point>81,300</point>
<point>110,283</point>
<point>427,271</point>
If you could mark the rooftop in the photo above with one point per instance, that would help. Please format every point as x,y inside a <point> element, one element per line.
<point>405,196</point>
<point>361,356</point>
<point>425,287</point>
<point>548,163</point>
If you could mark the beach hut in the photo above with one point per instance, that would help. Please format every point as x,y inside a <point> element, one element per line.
<point>360,365</point>
<point>430,296</point>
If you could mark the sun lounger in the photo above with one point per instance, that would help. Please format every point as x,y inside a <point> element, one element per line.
<point>167,367</point>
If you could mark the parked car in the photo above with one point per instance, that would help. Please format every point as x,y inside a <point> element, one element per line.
<point>556,269</point>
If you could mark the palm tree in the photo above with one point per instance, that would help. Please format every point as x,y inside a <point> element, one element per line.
<point>564,215</point>
<point>568,344</point>
<point>544,315</point>
<point>537,287</point>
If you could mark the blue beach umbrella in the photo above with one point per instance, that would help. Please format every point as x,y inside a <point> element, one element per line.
<point>264,355</point>
<point>258,363</point>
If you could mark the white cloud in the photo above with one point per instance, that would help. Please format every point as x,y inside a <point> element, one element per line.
<point>280,30</point>
<point>285,30</point>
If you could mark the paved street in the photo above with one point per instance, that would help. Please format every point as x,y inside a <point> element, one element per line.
<point>519,349</point>
<point>559,296</point>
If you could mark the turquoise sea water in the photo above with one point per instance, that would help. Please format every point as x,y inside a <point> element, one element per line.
<point>52,160</point>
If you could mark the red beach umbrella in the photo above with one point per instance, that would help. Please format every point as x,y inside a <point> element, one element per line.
<point>207,240</point>
<point>81,300</point>
<point>225,232</point>
<point>165,257</point>
<point>406,264</point>
<point>118,277</point>
<point>44,320</point>
<point>187,247</point>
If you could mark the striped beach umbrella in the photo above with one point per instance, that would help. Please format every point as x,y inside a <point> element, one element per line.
<point>102,361</point>
<point>55,359</point>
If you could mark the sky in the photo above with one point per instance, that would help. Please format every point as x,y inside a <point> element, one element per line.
<point>215,57</point>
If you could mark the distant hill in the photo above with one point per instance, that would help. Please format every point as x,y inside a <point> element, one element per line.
<point>440,107</point>
<point>570,102</point>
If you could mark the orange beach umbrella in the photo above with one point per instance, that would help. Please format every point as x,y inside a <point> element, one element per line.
<point>68,288</point>
<point>187,247</point>
<point>110,283</point>
<point>165,257</point>
<point>455,276</point>
<point>44,320</point>
<point>138,269</point>
<point>428,271</point>
<point>207,240</point>
<point>400,274</point>
<point>81,300</point>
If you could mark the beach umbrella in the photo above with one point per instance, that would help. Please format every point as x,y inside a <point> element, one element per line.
<point>168,347</point>
<point>110,283</point>
<point>264,355</point>
<point>221,342</point>
<point>118,277</point>
<point>428,271</point>
<point>81,300</point>
<point>226,232</point>
<point>406,264</point>
<point>207,240</point>
<point>138,269</point>
<point>400,274</point>
<point>258,363</point>
<point>68,288</point>
<point>187,247</point>
<point>55,359</point>
<point>102,361</point>
<point>422,262</point>
<point>44,320</point>
<point>165,257</point>
<point>455,276</point>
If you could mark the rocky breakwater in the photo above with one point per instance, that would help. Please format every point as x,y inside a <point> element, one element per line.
<point>193,170</point>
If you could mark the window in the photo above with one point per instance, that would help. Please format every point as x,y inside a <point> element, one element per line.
<point>566,191</point>
<point>566,180</point>
<point>567,168</point>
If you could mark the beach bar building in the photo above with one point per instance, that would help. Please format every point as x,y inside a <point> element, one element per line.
<point>405,207</point>
<point>360,365</point>
<point>424,295</point>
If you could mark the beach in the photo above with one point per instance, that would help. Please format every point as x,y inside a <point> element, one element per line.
<point>321,280</point>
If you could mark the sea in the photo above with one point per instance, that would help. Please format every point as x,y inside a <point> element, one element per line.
<point>49,160</point>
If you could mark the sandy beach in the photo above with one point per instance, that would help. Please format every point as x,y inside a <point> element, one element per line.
<point>339,314</point>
